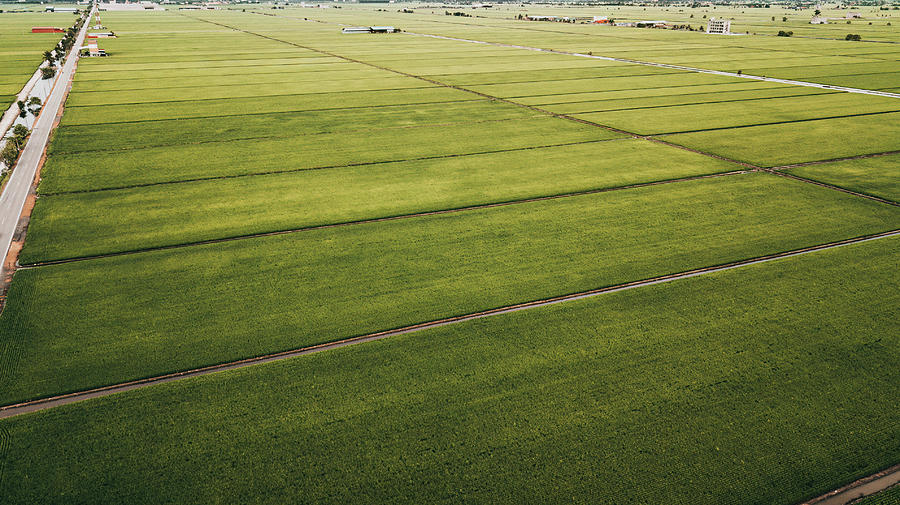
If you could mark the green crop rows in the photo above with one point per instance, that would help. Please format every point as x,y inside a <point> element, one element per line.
<point>233,183</point>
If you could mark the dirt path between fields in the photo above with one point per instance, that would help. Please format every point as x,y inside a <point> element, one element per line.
<point>860,488</point>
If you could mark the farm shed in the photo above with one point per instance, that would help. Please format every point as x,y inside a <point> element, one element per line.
<point>47,29</point>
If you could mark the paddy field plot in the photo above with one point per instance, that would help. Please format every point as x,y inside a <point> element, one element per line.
<point>226,185</point>
<point>874,176</point>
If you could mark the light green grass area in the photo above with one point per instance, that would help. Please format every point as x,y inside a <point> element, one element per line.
<point>682,393</point>
<point>715,100</point>
<point>674,119</point>
<point>684,79</point>
<point>90,170</point>
<point>365,101</point>
<point>782,144</point>
<point>875,176</point>
<point>279,125</point>
<point>139,218</point>
<point>170,310</point>
<point>283,76</point>
<point>213,91</point>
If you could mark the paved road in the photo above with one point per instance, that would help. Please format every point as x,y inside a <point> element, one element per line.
<point>675,67</point>
<point>13,198</point>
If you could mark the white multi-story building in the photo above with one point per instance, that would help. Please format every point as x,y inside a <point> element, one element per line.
<point>722,26</point>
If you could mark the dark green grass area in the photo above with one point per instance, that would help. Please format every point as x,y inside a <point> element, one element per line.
<point>289,124</point>
<point>782,144</point>
<point>887,497</point>
<point>874,176</point>
<point>102,321</point>
<point>66,226</point>
<point>111,169</point>
<point>691,392</point>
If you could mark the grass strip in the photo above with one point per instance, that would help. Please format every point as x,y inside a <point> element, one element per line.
<point>67,226</point>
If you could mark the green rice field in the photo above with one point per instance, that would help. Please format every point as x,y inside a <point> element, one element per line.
<point>235,183</point>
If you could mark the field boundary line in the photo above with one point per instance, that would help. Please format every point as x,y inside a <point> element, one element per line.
<point>17,409</point>
<point>672,66</point>
<point>835,160</point>
<point>559,196</point>
<point>328,167</point>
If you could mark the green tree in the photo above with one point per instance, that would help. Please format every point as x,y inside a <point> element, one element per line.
<point>9,154</point>
<point>20,133</point>
<point>48,72</point>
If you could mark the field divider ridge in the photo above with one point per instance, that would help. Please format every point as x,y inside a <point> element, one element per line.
<point>397,217</point>
<point>833,160</point>
<point>36,405</point>
<point>831,186</point>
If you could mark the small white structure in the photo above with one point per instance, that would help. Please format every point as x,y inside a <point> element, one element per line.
<point>720,26</point>
<point>818,20</point>
<point>854,15</point>
<point>370,29</point>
